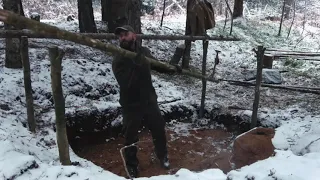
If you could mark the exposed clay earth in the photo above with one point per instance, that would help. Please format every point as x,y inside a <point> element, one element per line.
<point>195,150</point>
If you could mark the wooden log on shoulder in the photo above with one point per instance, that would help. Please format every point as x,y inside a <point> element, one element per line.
<point>41,28</point>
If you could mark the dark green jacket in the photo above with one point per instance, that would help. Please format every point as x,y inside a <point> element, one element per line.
<point>134,78</point>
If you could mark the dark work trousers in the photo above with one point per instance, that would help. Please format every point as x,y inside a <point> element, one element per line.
<point>151,117</point>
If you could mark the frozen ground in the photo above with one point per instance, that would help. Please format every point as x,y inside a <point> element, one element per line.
<point>88,84</point>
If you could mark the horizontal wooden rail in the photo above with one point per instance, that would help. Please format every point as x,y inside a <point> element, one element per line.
<point>31,34</point>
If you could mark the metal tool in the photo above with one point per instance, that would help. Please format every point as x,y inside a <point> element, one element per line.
<point>216,61</point>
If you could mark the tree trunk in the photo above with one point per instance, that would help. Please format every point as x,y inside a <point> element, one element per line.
<point>133,10</point>
<point>56,56</point>
<point>282,16</point>
<point>85,17</point>
<point>186,56</point>
<point>104,10</point>
<point>238,8</point>
<point>13,55</point>
<point>114,13</point>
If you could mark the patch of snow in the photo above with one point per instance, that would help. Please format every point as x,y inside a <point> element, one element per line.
<point>301,135</point>
<point>285,166</point>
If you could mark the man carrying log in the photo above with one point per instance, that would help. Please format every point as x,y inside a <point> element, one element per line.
<point>138,99</point>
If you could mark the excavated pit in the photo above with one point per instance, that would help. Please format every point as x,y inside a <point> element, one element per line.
<point>95,136</point>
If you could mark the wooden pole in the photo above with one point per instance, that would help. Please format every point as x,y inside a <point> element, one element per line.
<point>260,54</point>
<point>27,83</point>
<point>56,56</point>
<point>204,81</point>
<point>109,36</point>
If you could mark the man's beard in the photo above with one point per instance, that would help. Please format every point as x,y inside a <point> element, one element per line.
<point>128,45</point>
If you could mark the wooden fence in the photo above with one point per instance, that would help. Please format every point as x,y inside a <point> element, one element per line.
<point>260,57</point>
<point>56,56</point>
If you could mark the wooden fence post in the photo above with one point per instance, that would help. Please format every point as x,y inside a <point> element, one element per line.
<point>24,50</point>
<point>260,54</point>
<point>56,55</point>
<point>204,81</point>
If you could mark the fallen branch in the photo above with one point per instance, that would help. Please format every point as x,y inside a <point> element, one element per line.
<point>108,36</point>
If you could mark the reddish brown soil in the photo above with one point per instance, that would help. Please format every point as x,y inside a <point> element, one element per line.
<point>201,149</point>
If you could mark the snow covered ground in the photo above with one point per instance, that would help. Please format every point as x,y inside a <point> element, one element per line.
<point>88,84</point>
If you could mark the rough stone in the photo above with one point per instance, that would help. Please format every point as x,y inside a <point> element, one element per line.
<point>269,76</point>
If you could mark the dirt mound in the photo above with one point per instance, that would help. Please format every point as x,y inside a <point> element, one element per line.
<point>253,146</point>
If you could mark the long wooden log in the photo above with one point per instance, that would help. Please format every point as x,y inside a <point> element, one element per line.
<point>38,27</point>
<point>286,51</point>
<point>289,88</point>
<point>108,36</point>
<point>294,54</point>
<point>302,58</point>
<point>52,31</point>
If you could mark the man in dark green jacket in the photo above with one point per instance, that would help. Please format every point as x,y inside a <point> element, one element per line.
<point>138,99</point>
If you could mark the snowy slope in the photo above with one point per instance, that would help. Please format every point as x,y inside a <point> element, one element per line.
<point>89,84</point>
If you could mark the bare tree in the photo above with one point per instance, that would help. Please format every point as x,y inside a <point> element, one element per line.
<point>13,55</point>
<point>133,15</point>
<point>284,3</point>
<point>294,15</point>
<point>105,6</point>
<point>164,7</point>
<point>231,15</point>
<point>114,13</point>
